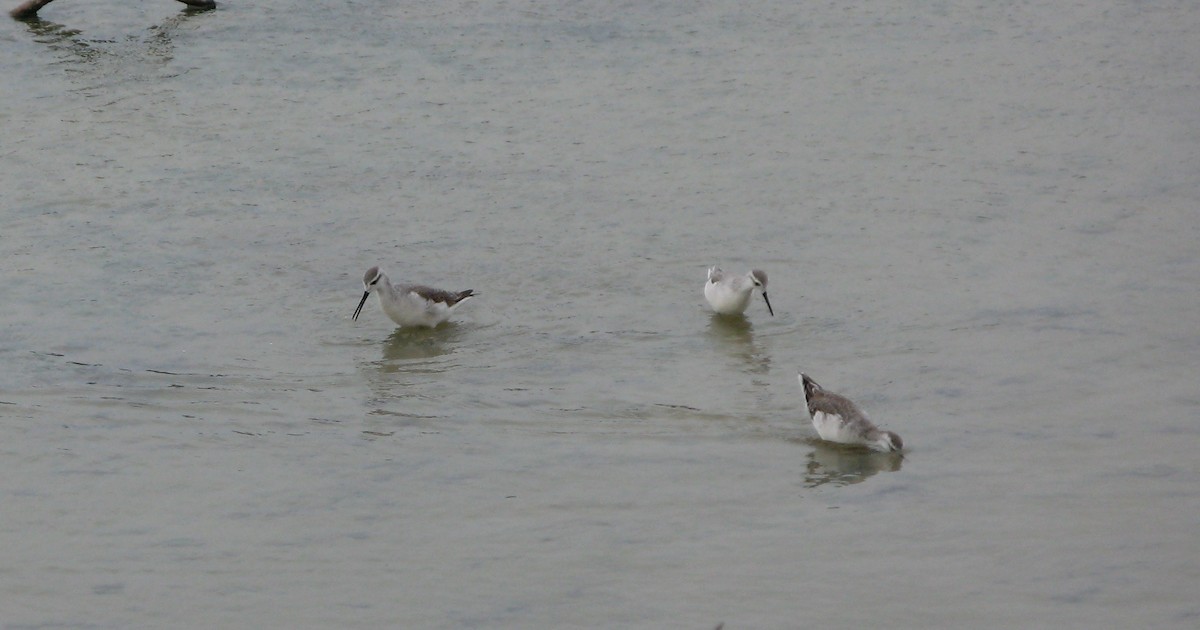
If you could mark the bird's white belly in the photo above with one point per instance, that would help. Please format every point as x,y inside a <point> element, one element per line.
<point>831,427</point>
<point>725,301</point>
<point>414,310</point>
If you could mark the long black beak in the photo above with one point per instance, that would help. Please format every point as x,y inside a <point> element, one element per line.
<point>769,309</point>
<point>366,294</point>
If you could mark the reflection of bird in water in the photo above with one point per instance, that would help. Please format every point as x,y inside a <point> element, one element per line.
<point>841,465</point>
<point>413,365</point>
<point>406,344</point>
<point>729,293</point>
<point>734,336</point>
<point>158,46</point>
<point>410,304</point>
<point>838,419</point>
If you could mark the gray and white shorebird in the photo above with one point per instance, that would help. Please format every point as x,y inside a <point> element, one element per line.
<point>410,304</point>
<point>837,419</point>
<point>729,293</point>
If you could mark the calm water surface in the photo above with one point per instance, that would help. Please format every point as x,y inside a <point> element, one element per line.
<point>980,222</point>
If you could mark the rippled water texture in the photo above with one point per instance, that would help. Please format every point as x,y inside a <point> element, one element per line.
<point>979,221</point>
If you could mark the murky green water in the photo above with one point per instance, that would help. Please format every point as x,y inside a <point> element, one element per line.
<point>979,222</point>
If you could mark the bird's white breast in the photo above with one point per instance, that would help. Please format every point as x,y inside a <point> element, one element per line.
<point>725,299</point>
<point>411,309</point>
<point>832,427</point>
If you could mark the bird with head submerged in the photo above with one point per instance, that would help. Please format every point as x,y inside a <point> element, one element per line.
<point>410,304</point>
<point>837,419</point>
